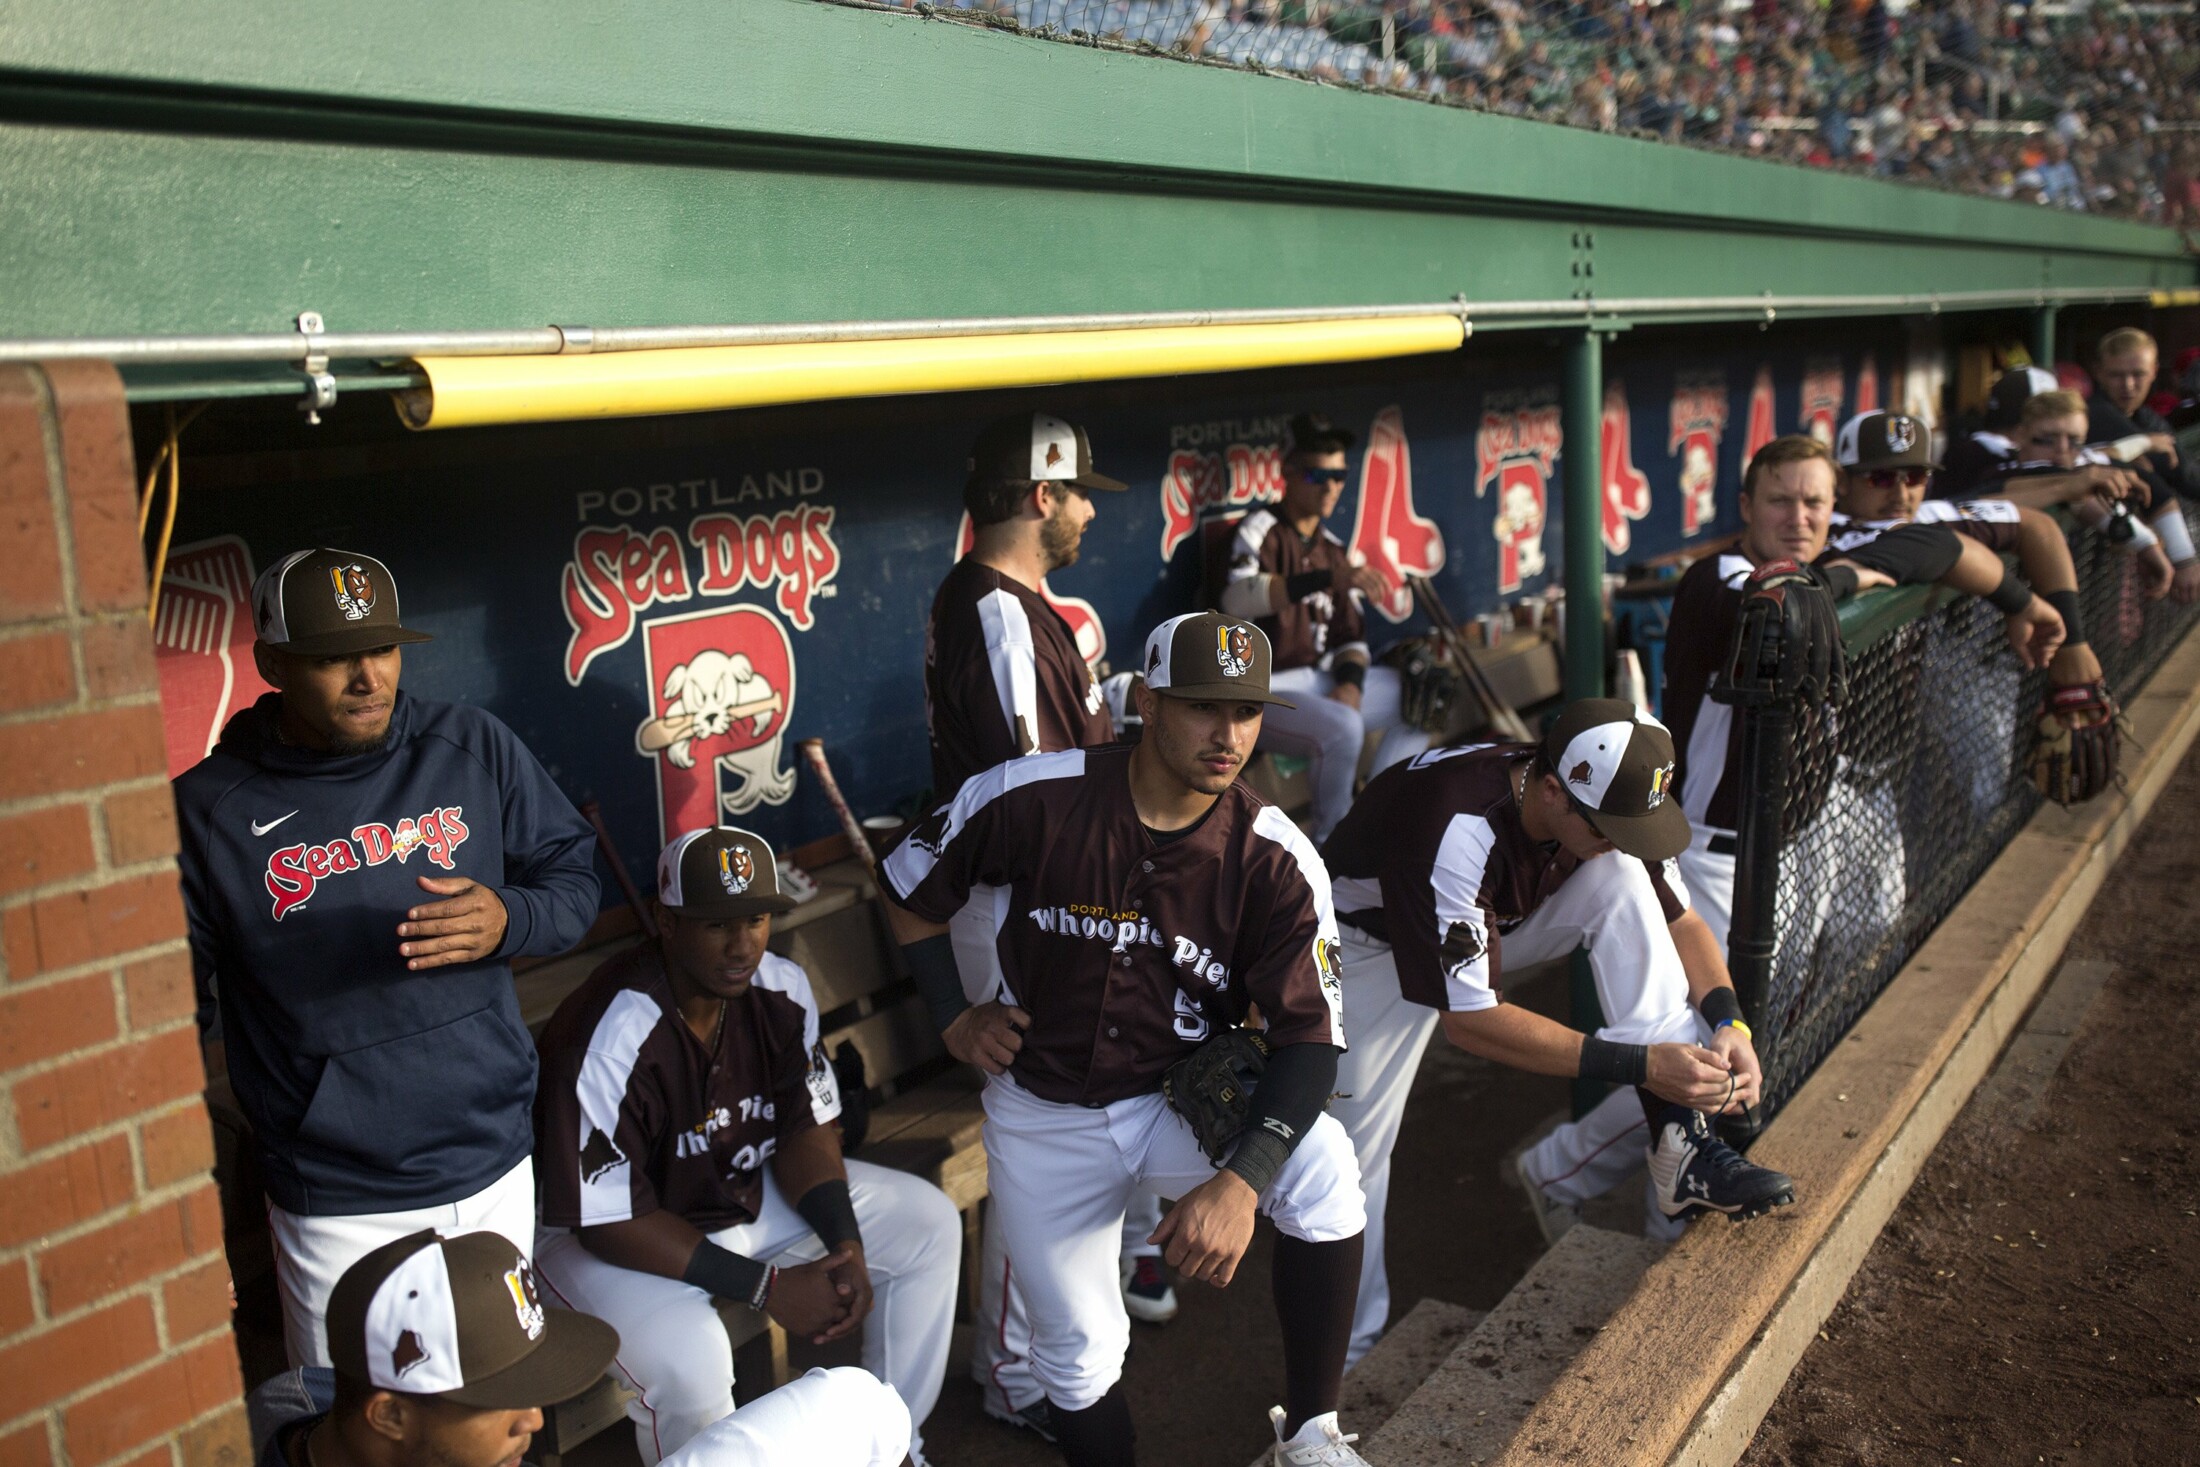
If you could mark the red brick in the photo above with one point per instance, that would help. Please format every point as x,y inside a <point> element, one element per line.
<point>17,1312</point>
<point>158,991</point>
<point>128,1252</point>
<point>48,1196</point>
<point>46,845</point>
<point>35,671</point>
<point>177,1146</point>
<point>153,1402</point>
<point>219,1441</point>
<point>40,1023</point>
<point>197,1302</point>
<point>30,551</point>
<point>100,470</point>
<point>118,656</point>
<point>26,1448</point>
<point>72,927</point>
<point>71,1099</point>
<point>65,1359</point>
<point>105,746</point>
<point>141,825</point>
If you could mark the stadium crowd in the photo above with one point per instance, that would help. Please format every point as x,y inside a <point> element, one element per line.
<point>2086,107</point>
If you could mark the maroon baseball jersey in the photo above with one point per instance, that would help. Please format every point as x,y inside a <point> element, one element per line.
<point>1002,678</point>
<point>1432,859</point>
<point>634,1113</point>
<point>1315,625</point>
<point>1129,951</point>
<point>1991,522</point>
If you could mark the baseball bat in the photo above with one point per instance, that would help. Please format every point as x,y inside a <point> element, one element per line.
<point>813,752</point>
<point>1503,719</point>
<point>593,814</point>
<point>663,733</point>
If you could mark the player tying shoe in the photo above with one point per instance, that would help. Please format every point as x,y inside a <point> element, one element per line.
<point>1297,580</point>
<point>1466,859</point>
<point>1152,900</point>
<point>683,1131</point>
<point>1003,678</point>
<point>446,1355</point>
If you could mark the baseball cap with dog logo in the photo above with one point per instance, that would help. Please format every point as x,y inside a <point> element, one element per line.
<point>1207,655</point>
<point>1883,441</point>
<point>720,872</point>
<point>460,1318</point>
<point>1617,763</point>
<point>1039,447</point>
<point>324,603</point>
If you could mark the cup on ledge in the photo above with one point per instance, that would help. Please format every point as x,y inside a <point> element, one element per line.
<point>884,832</point>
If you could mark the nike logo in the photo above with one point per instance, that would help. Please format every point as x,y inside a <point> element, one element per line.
<point>259,829</point>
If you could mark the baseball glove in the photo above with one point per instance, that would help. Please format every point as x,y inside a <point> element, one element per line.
<point>2080,743</point>
<point>1428,685</point>
<point>1787,639</point>
<point>1212,1088</point>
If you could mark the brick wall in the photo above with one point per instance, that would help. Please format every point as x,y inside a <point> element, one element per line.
<point>115,1344</point>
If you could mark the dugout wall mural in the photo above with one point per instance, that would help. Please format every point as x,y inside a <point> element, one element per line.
<point>663,610</point>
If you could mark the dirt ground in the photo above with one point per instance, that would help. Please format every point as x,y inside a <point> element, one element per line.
<point>2036,1297</point>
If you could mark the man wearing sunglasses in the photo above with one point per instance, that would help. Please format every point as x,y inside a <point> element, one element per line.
<point>2059,469</point>
<point>1297,581</point>
<point>2051,458</point>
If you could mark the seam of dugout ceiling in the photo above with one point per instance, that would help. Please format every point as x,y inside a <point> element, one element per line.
<point>1685,1372</point>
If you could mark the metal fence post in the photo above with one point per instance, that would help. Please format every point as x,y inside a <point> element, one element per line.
<point>2043,338</point>
<point>1581,424</point>
<point>1768,737</point>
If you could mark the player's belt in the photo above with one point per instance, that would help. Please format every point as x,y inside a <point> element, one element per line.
<point>1720,845</point>
<point>1369,921</point>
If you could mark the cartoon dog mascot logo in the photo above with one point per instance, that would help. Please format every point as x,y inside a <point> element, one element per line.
<point>354,590</point>
<point>736,869</point>
<point>1234,649</point>
<point>723,685</point>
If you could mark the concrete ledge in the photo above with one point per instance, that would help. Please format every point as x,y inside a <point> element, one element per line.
<point>1684,1372</point>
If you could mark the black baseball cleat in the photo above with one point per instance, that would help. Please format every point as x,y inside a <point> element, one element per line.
<point>1037,1417</point>
<point>1694,1171</point>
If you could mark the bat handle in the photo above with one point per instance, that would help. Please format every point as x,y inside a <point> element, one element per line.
<point>813,750</point>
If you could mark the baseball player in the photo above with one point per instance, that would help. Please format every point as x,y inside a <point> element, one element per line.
<point>2050,463</point>
<point>2124,367</point>
<point>456,1375</point>
<point>1152,901</point>
<point>686,1157</point>
<point>1297,581</point>
<point>1467,859</point>
<point>358,867</point>
<point>1004,678</point>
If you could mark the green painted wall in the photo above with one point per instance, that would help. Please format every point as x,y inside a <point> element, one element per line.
<point>414,165</point>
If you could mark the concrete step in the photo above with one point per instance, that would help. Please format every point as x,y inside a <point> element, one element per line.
<point>1470,1405</point>
<point>1391,1372</point>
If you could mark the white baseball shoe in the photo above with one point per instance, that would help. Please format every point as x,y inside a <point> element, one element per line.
<point>1555,1218</point>
<point>1318,1444</point>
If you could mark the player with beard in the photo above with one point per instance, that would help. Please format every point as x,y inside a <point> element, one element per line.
<point>1148,902</point>
<point>2124,367</point>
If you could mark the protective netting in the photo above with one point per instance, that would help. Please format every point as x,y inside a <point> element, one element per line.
<point>2083,106</point>
<point>1900,801</point>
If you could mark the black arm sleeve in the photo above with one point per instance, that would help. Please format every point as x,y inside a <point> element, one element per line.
<point>1915,555</point>
<point>932,964</point>
<point>1288,1099</point>
<point>1305,584</point>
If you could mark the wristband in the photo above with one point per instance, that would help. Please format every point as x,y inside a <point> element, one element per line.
<point>725,1274</point>
<point>1349,672</point>
<point>1736,1024</point>
<point>2176,535</point>
<point>829,1212</point>
<point>932,964</point>
<point>2066,606</point>
<point>1306,583</point>
<point>1259,1156</point>
<point>1720,1006</point>
<point>1622,1064</point>
<point>2011,596</point>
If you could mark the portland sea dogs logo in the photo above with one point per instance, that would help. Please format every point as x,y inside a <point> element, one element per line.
<point>1698,426</point>
<point>723,686</point>
<point>1515,451</point>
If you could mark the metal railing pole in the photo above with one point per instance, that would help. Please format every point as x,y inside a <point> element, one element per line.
<point>1581,424</point>
<point>2043,338</point>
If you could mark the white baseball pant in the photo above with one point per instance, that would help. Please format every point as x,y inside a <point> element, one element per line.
<point>1608,906</point>
<point>673,1349</point>
<point>1000,1349</point>
<point>311,1253</point>
<point>1331,736</point>
<point>1061,1175</point>
<point>843,1417</point>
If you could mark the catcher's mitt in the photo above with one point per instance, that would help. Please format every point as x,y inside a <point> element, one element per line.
<point>1428,685</point>
<point>1787,640</point>
<point>1212,1088</point>
<point>2079,745</point>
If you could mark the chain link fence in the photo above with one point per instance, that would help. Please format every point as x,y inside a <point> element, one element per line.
<point>1897,802</point>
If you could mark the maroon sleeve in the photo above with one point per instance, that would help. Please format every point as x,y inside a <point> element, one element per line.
<point>1289,960</point>
<point>1665,880</point>
<point>980,838</point>
<point>595,1168</point>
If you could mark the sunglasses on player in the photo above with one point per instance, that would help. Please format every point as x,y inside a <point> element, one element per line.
<point>1326,476</point>
<point>1893,478</point>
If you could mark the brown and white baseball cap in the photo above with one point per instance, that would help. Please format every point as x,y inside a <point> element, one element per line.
<point>1206,655</point>
<point>1883,441</point>
<point>324,603</point>
<point>1039,447</point>
<point>459,1318</point>
<point>720,871</point>
<point>1617,763</point>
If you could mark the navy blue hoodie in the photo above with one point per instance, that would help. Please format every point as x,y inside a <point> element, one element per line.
<point>369,1087</point>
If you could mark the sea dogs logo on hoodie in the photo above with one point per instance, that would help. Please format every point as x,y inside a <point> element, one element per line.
<point>295,873</point>
<point>1515,451</point>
